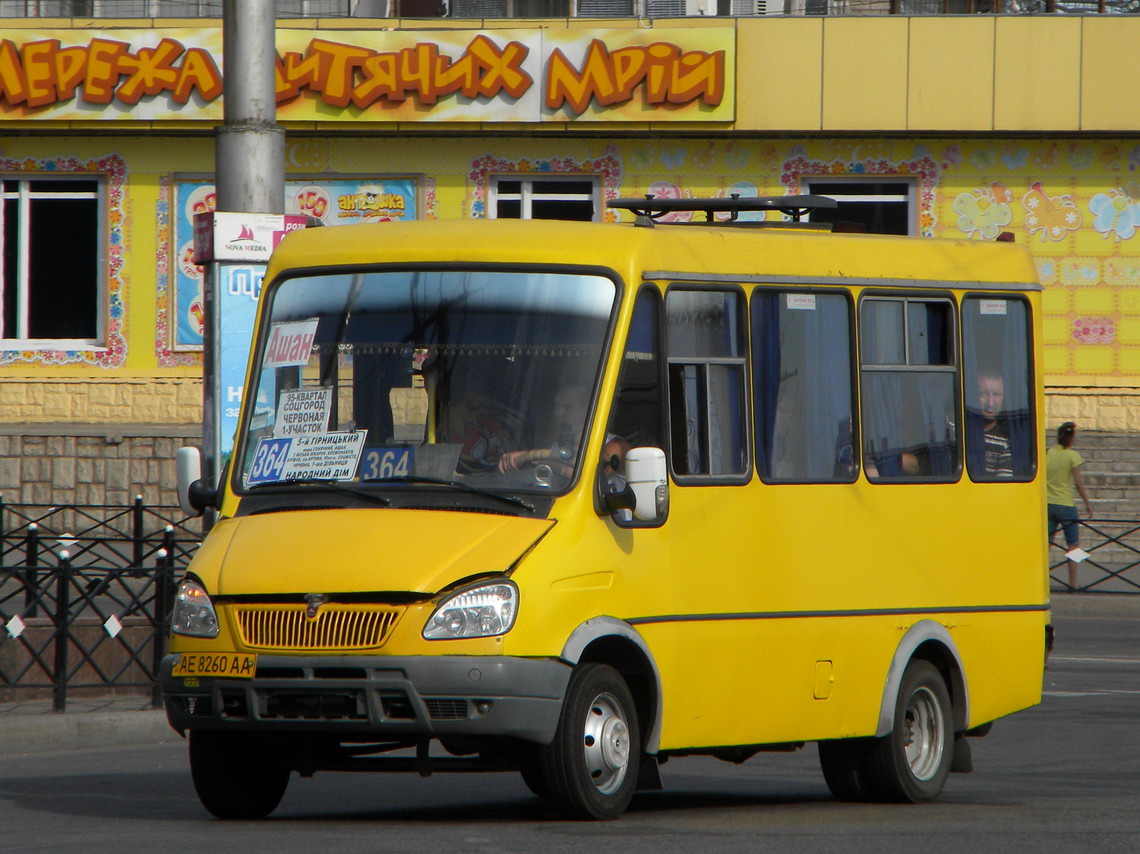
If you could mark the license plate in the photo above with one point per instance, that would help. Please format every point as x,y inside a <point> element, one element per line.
<point>235,665</point>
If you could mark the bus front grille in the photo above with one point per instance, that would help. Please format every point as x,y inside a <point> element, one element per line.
<point>335,626</point>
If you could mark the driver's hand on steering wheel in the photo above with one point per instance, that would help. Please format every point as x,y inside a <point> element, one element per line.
<point>510,460</point>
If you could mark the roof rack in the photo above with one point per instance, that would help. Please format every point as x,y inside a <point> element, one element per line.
<point>649,209</point>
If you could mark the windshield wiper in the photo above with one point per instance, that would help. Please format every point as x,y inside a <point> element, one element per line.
<point>320,483</point>
<point>455,484</point>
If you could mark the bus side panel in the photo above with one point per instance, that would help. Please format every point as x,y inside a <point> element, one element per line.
<point>1004,658</point>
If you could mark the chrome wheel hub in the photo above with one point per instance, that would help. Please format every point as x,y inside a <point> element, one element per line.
<point>606,743</point>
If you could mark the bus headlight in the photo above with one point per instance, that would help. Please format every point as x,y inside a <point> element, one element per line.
<point>193,612</point>
<point>477,612</point>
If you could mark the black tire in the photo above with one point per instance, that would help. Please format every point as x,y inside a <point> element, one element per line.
<point>910,765</point>
<point>844,764</point>
<point>235,775</point>
<point>591,767</point>
<point>531,770</point>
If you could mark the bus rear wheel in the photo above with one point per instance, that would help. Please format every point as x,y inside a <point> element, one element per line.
<point>590,769</point>
<point>844,763</point>
<point>235,774</point>
<point>911,763</point>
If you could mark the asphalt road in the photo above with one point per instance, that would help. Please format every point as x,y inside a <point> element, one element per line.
<point>1063,777</point>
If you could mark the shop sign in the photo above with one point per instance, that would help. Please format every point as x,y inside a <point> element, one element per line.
<point>535,75</point>
<point>246,238</point>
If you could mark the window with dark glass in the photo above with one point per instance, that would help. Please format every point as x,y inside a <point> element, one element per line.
<point>573,197</point>
<point>51,271</point>
<point>706,358</point>
<point>871,205</point>
<point>802,386</point>
<point>998,388</point>
<point>909,389</point>
<point>638,411</point>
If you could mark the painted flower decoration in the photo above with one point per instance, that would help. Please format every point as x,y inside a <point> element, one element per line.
<point>669,190</point>
<point>1053,216</point>
<point>1094,330</point>
<point>981,212</point>
<point>1115,213</point>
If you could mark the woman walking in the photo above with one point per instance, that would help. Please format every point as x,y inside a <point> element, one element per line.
<point>1062,472</point>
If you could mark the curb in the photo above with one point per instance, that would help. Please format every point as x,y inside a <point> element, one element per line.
<point>42,733</point>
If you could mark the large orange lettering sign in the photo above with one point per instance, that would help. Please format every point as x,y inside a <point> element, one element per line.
<point>668,76</point>
<point>40,73</point>
<point>343,73</point>
<point>397,76</point>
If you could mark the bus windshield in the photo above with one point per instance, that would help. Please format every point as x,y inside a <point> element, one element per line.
<point>412,377</point>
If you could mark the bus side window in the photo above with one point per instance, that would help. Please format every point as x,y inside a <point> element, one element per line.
<point>801,385</point>
<point>638,409</point>
<point>707,404</point>
<point>909,389</point>
<point>997,384</point>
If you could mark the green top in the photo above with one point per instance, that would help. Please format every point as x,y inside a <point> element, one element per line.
<point>1059,465</point>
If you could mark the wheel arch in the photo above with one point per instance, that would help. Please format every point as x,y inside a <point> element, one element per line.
<point>608,640</point>
<point>928,641</point>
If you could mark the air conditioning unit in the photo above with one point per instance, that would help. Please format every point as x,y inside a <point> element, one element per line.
<point>751,8</point>
<point>698,8</point>
<point>369,9</point>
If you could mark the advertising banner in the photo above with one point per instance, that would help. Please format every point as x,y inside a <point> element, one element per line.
<point>510,75</point>
<point>333,202</point>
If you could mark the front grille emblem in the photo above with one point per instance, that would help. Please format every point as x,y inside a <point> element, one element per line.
<point>313,602</point>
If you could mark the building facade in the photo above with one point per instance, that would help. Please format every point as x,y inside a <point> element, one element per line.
<point>943,126</point>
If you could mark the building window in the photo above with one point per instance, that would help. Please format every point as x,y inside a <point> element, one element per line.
<point>878,205</point>
<point>576,197</point>
<point>51,278</point>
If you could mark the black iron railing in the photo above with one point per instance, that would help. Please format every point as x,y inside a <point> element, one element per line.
<point>1113,562</point>
<point>85,596</point>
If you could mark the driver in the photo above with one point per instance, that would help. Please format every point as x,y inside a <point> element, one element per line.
<point>568,418</point>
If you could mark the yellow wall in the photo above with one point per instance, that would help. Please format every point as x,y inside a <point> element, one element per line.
<point>955,74</point>
<point>944,100</point>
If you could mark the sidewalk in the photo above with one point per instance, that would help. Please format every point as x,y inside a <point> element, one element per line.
<point>32,727</point>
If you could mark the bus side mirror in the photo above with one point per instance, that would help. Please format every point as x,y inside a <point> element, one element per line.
<point>647,477</point>
<point>194,494</point>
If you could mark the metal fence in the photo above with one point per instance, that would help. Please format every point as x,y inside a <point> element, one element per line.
<point>86,592</point>
<point>85,597</point>
<point>1113,562</point>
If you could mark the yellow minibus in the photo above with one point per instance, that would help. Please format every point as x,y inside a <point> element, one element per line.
<point>569,499</point>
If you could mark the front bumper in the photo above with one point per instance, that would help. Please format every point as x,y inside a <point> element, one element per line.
<point>377,697</point>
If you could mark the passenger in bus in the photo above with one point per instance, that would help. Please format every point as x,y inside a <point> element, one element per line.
<point>998,441</point>
<point>995,432</point>
<point>1062,473</point>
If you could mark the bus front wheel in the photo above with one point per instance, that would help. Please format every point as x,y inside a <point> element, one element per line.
<point>590,769</point>
<point>911,763</point>
<point>235,775</point>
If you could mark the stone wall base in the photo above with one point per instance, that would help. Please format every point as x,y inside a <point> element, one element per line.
<point>1102,409</point>
<point>92,463</point>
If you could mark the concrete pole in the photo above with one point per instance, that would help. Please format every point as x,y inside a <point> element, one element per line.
<point>249,150</point>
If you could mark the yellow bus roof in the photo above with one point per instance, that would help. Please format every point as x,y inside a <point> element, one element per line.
<point>666,252</point>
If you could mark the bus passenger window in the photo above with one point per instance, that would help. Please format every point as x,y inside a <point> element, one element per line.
<point>1000,431</point>
<point>909,389</point>
<point>801,386</point>
<point>707,409</point>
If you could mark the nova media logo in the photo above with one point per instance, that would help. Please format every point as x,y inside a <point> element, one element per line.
<point>246,241</point>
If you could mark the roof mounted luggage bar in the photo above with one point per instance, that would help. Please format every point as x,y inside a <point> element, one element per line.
<point>650,209</point>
